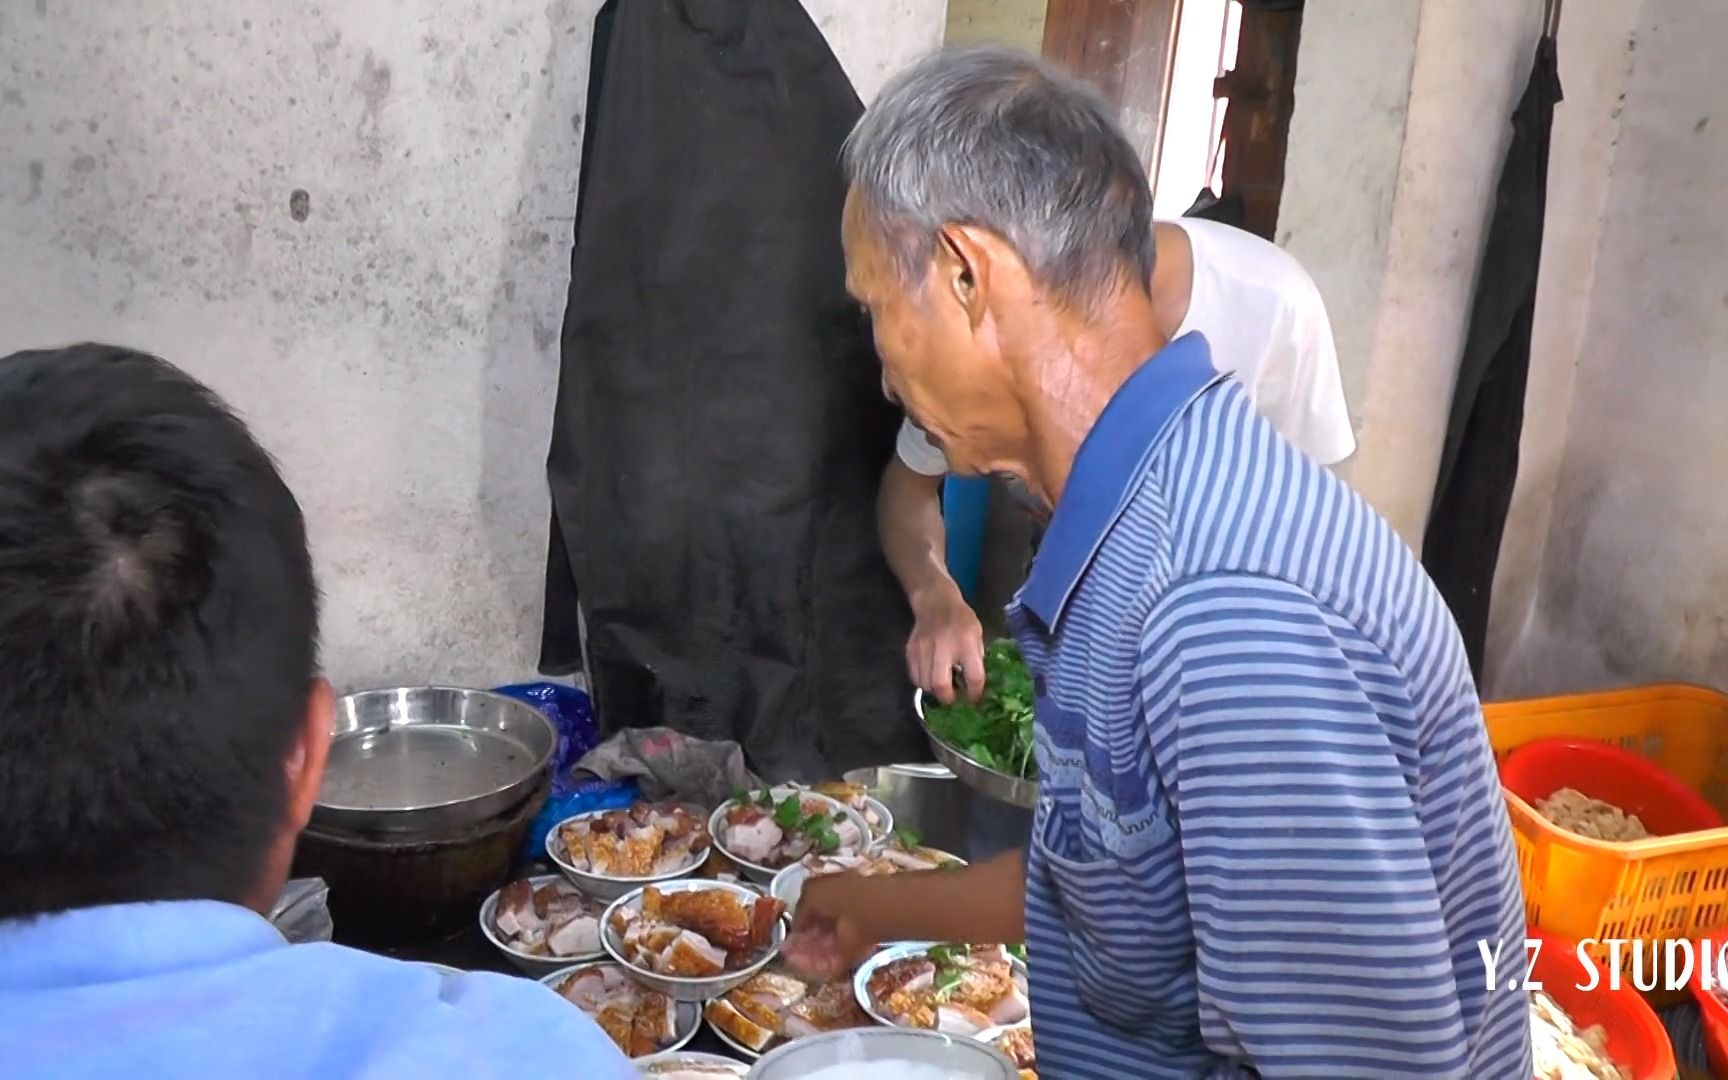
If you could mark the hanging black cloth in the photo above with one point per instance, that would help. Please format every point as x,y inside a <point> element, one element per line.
<point>1480,461</point>
<point>720,428</point>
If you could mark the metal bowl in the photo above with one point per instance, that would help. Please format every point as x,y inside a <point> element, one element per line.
<point>765,874</point>
<point>884,1047</point>
<point>684,1027</point>
<point>723,1068</point>
<point>998,785</point>
<point>527,963</point>
<point>861,977</point>
<point>419,758</point>
<point>609,886</point>
<point>680,988</point>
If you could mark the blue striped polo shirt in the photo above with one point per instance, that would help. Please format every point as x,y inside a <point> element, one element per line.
<point>1270,835</point>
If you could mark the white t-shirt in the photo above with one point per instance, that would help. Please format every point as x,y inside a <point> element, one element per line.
<point>1266,323</point>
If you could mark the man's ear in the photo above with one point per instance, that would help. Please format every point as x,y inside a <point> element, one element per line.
<point>963,256</point>
<point>310,752</point>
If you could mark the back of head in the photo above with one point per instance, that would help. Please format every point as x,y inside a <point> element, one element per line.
<point>991,137</point>
<point>158,631</point>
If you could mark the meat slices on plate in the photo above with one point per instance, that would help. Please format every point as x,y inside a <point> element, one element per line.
<point>639,1020</point>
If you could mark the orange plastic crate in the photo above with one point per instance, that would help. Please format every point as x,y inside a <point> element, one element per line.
<point>1650,890</point>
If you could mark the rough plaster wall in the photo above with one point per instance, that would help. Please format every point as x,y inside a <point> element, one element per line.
<point>397,348</point>
<point>1401,122</point>
<point>1596,54</point>
<point>1019,23</point>
<point>1634,580</point>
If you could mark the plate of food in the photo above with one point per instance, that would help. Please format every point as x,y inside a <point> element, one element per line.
<point>774,1006</point>
<point>1015,1042</point>
<point>641,1020</point>
<point>690,1065</point>
<point>607,853</point>
<point>767,830</point>
<point>873,810</point>
<point>543,924</point>
<point>988,744</point>
<point>899,852</point>
<point>693,940</point>
<point>951,988</point>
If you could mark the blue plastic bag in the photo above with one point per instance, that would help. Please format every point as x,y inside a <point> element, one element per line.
<point>572,714</point>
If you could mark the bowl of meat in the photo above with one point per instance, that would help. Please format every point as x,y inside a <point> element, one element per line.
<point>607,853</point>
<point>900,852</point>
<point>1015,1042</point>
<point>693,940</point>
<point>641,1020</point>
<point>873,810</point>
<point>774,1006</point>
<point>951,988</point>
<point>765,831</point>
<point>543,924</point>
<point>691,1065</point>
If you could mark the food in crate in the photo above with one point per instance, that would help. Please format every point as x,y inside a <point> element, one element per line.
<point>1577,812</point>
<point>695,933</point>
<point>1563,1051</point>
<point>996,732</point>
<point>551,921</point>
<point>639,1020</point>
<point>957,989</point>
<point>775,828</point>
<point>1016,1044</point>
<point>646,840</point>
<point>775,1006</point>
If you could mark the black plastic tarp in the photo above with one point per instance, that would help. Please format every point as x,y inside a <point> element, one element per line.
<point>720,428</point>
<point>1479,462</point>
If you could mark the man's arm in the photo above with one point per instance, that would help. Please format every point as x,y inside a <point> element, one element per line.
<point>946,632</point>
<point>1320,943</point>
<point>841,917</point>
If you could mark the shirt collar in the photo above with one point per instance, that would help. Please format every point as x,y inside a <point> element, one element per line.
<point>1112,456</point>
<point>121,941</point>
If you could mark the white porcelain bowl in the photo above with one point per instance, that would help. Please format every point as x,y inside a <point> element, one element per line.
<point>685,1026</point>
<point>693,1062</point>
<point>527,963</point>
<point>681,988</point>
<point>765,874</point>
<point>788,884</point>
<point>609,886</point>
<point>861,977</point>
<point>882,1049</point>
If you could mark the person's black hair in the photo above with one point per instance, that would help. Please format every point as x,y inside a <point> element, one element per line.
<point>158,626</point>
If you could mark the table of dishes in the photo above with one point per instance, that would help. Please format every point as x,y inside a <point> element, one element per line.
<point>664,922</point>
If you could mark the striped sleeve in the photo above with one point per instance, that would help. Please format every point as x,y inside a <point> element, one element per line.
<point>1281,735</point>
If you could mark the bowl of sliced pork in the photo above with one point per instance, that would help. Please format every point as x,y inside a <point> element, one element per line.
<point>899,853</point>
<point>767,830</point>
<point>952,988</point>
<point>642,1021</point>
<point>693,940</point>
<point>543,924</point>
<point>774,1006</point>
<point>607,853</point>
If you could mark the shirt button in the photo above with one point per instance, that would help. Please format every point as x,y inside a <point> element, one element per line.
<point>1038,685</point>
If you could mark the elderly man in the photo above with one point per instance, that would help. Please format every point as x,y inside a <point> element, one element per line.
<point>1269,835</point>
<point>163,732</point>
<point>1266,324</point>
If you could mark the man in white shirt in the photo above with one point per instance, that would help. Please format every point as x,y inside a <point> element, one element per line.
<point>1267,326</point>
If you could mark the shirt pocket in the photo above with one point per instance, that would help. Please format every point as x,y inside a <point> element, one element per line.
<point>1131,945</point>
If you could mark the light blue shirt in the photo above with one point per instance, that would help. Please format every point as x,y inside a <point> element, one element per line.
<point>205,989</point>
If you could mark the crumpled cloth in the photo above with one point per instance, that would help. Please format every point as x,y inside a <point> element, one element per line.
<point>671,765</point>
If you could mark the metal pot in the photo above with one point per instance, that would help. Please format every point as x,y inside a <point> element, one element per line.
<point>390,889</point>
<point>422,758</point>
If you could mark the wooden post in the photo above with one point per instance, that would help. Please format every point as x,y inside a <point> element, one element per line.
<point>1261,89</point>
<point>1126,48</point>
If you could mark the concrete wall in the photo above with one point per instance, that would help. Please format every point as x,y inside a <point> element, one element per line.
<point>397,348</point>
<point>1019,23</point>
<point>1624,578</point>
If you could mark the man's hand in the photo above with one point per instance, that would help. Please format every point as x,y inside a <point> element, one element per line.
<point>946,636</point>
<point>828,939</point>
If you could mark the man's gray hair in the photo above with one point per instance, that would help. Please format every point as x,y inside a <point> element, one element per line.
<point>991,137</point>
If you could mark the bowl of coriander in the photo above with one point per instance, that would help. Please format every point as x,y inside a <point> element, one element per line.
<point>988,743</point>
